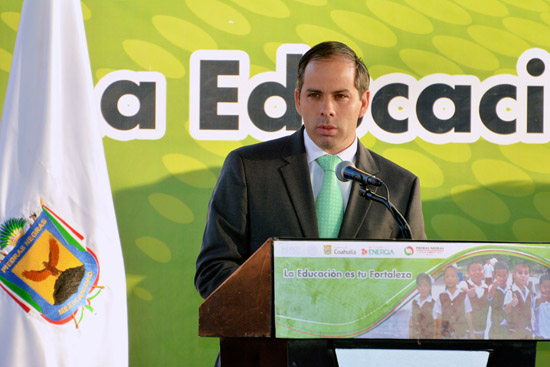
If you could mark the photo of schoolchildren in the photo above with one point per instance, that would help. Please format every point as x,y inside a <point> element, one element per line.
<point>497,291</point>
<point>542,309</point>
<point>519,304</point>
<point>421,324</point>
<point>477,290</point>
<point>452,310</point>
<point>454,302</point>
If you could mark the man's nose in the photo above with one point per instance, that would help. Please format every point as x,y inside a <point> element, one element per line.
<point>327,108</point>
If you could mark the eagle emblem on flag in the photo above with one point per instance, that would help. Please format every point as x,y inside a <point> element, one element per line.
<point>46,268</point>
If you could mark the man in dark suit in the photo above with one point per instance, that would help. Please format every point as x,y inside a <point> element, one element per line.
<point>269,189</point>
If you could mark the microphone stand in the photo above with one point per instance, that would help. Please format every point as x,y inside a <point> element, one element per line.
<point>403,225</point>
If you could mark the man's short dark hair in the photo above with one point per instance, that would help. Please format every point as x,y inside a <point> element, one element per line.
<point>326,50</point>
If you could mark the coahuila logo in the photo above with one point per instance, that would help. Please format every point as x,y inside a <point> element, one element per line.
<point>409,250</point>
<point>226,104</point>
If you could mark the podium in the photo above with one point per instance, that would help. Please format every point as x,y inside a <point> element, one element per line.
<point>241,313</point>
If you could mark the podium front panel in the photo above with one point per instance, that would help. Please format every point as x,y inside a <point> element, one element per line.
<point>357,289</point>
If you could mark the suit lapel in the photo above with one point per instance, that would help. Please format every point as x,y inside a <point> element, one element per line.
<point>358,206</point>
<point>298,184</point>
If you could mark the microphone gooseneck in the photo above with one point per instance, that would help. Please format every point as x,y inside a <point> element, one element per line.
<point>346,171</point>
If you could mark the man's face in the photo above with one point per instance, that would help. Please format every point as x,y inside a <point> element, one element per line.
<point>475,272</point>
<point>521,275</point>
<point>330,104</point>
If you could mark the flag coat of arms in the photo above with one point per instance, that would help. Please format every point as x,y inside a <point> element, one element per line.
<point>62,284</point>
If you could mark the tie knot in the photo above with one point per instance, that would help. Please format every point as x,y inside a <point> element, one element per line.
<point>328,162</point>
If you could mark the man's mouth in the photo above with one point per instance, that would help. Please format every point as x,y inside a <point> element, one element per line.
<point>327,128</point>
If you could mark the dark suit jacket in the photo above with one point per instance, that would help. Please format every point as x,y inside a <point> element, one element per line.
<point>264,190</point>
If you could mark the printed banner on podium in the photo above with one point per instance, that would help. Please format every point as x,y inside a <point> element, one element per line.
<point>411,290</point>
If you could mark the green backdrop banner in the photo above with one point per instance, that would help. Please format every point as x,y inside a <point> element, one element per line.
<point>180,84</point>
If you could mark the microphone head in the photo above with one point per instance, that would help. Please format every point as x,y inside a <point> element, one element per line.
<point>341,167</point>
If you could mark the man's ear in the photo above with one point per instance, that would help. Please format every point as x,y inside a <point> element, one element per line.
<point>365,99</point>
<point>297,101</point>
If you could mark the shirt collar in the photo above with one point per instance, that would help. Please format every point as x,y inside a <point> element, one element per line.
<point>483,285</point>
<point>524,291</point>
<point>457,292</point>
<point>503,290</point>
<point>421,303</point>
<point>313,151</point>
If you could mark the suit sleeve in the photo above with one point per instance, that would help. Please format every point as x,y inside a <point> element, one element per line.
<point>224,245</point>
<point>414,215</point>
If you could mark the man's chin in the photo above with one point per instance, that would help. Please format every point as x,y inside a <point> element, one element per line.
<point>327,143</point>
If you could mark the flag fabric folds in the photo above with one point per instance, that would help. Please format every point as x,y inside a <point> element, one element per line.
<point>62,284</point>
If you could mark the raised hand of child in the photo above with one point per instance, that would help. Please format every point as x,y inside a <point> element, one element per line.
<point>515,301</point>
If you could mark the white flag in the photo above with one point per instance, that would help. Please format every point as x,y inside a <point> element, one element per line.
<point>62,284</point>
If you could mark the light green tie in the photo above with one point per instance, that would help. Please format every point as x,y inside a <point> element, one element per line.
<point>329,204</point>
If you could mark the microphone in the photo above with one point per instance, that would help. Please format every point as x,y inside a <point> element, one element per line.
<point>346,170</point>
